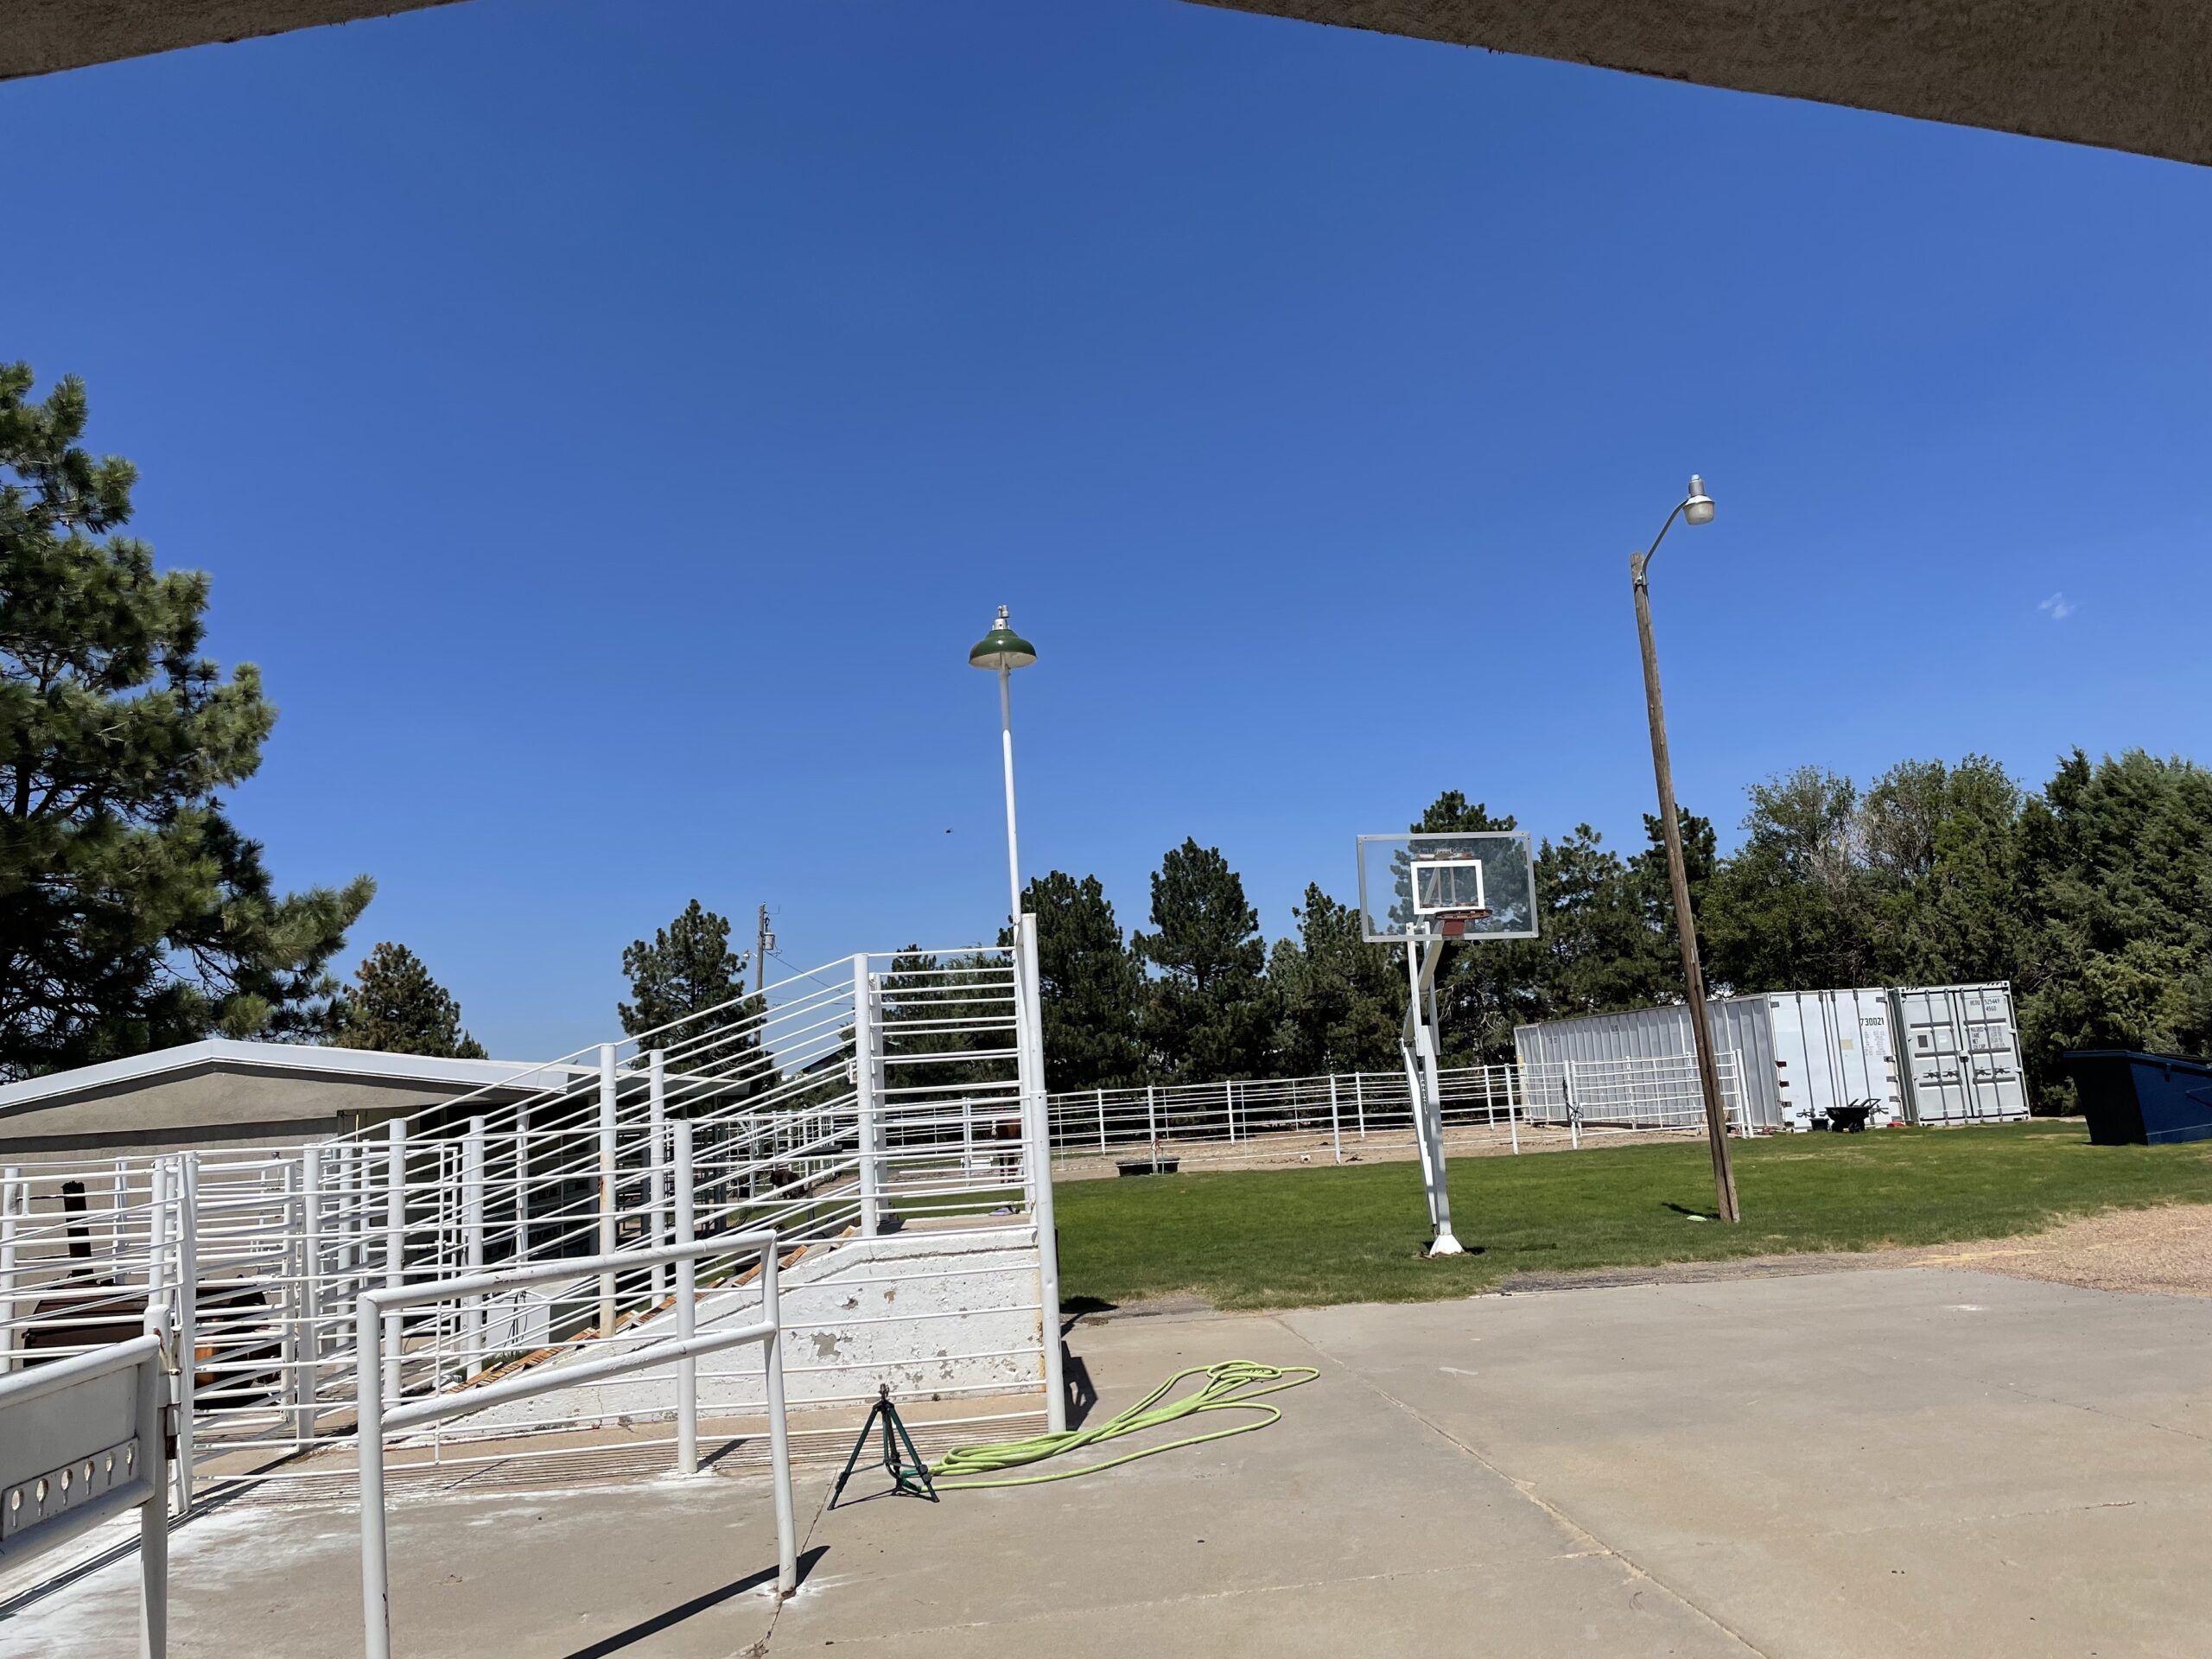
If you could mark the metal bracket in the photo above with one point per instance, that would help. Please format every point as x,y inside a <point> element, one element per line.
<point>42,1498</point>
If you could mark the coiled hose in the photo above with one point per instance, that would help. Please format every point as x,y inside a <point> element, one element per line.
<point>1232,1385</point>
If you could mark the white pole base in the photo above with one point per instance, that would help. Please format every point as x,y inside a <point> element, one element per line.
<point>1446,1245</point>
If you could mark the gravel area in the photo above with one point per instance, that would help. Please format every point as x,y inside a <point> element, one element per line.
<point>2165,1251</point>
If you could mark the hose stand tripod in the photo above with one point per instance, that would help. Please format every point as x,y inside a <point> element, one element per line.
<point>910,1476</point>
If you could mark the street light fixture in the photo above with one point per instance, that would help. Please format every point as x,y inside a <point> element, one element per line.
<point>1694,508</point>
<point>1697,506</point>
<point>1004,649</point>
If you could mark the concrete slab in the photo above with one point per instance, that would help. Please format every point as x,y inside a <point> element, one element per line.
<point>1894,1463</point>
<point>666,1568</point>
<point>1297,1538</point>
<point>1897,1463</point>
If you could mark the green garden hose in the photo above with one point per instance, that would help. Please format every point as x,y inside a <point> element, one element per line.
<point>1233,1385</point>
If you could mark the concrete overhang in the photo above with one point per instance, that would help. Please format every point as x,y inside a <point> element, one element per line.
<point>2122,74</point>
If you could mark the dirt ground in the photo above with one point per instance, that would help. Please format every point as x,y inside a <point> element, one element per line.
<point>2166,1251</point>
<point>1289,1150</point>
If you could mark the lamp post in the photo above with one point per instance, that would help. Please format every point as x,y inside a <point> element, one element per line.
<point>1004,650</point>
<point>1694,508</point>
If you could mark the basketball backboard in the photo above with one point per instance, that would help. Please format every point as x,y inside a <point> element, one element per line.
<point>1472,884</point>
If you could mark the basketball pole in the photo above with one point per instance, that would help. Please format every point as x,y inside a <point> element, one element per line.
<point>1421,1049</point>
<point>1697,509</point>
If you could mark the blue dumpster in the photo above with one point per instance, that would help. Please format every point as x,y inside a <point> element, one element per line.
<point>2133,1098</point>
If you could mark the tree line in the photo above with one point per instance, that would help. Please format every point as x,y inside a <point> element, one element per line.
<point>2092,895</point>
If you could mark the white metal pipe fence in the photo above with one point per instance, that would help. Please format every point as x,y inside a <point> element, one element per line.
<point>1344,1111</point>
<point>884,1090</point>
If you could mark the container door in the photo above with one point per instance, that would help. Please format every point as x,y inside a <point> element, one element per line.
<point>1963,1052</point>
<point>1862,1038</point>
<point>1995,1080</point>
<point>1832,1049</point>
<point>1932,1041</point>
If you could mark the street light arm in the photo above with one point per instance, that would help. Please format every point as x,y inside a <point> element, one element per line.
<point>1639,563</point>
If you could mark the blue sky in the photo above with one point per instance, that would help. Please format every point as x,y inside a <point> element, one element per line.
<point>608,426</point>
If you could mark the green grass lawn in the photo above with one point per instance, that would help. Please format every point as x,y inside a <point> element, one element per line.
<point>1286,1238</point>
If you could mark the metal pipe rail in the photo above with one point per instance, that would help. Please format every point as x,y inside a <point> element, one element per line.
<point>884,1088</point>
<point>81,1441</point>
<point>377,1417</point>
<point>1352,1108</point>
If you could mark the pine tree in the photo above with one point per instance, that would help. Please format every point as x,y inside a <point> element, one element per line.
<point>2116,869</point>
<point>689,987</point>
<point>395,1006</point>
<point>1342,1001</point>
<point>133,915</point>
<point>1091,987</point>
<point>1602,944</point>
<point>1653,885</point>
<point>955,1005</point>
<point>1209,1014</point>
<point>1484,989</point>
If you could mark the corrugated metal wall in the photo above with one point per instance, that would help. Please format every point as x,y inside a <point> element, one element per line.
<point>1738,1022</point>
<point>1831,1049</point>
<point>1929,1054</point>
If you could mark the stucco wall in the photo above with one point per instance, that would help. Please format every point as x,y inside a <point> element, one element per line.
<point>936,1315</point>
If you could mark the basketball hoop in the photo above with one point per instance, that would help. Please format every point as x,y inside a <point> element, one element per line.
<point>1419,891</point>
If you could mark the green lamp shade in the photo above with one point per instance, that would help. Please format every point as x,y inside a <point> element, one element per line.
<point>1001,648</point>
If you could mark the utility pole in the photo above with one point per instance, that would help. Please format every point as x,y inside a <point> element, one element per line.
<point>763,943</point>
<point>1697,509</point>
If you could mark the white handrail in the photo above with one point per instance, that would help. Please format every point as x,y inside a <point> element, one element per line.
<point>58,1467</point>
<point>378,1416</point>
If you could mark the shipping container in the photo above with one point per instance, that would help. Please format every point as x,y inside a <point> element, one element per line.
<point>1833,1052</point>
<point>1961,1050</point>
<point>1940,1054</point>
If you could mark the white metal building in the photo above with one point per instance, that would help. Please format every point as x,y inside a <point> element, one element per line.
<point>1933,1054</point>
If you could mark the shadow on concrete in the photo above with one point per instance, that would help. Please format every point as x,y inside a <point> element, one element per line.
<point>675,1616</point>
<point>1083,1393</point>
<point>1072,1308</point>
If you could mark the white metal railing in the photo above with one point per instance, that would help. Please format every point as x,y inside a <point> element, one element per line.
<point>1222,1120</point>
<point>380,1416</point>
<point>80,1442</point>
<point>883,1088</point>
